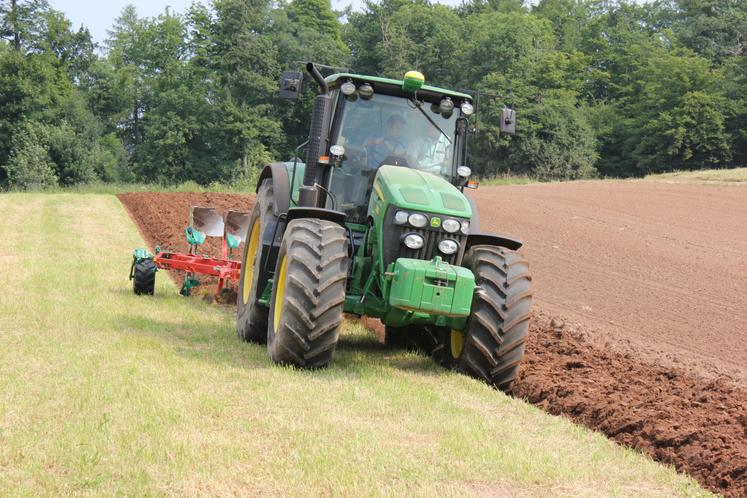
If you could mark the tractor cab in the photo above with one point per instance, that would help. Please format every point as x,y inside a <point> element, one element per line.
<point>361,123</point>
<point>378,121</point>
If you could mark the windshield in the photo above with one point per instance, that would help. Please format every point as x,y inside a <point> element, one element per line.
<point>387,130</point>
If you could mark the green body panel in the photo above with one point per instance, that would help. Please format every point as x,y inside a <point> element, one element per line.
<point>398,83</point>
<point>409,291</point>
<point>264,299</point>
<point>431,286</point>
<point>412,189</point>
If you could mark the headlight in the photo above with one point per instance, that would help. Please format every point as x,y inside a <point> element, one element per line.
<point>337,150</point>
<point>366,91</point>
<point>400,217</point>
<point>467,108</point>
<point>413,241</point>
<point>464,171</point>
<point>465,227</point>
<point>450,225</point>
<point>448,246</point>
<point>418,220</point>
<point>446,105</point>
<point>348,88</point>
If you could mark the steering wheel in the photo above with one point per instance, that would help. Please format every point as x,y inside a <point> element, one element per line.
<point>395,161</point>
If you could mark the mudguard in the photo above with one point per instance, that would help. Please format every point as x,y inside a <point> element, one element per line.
<point>280,186</point>
<point>490,239</point>
<point>320,213</point>
<point>474,222</point>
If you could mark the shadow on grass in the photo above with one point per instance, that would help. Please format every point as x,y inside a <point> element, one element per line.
<point>358,356</point>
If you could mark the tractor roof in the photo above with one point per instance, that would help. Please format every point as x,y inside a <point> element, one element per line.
<point>394,84</point>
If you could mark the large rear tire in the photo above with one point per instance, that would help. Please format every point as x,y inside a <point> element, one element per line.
<point>308,293</point>
<point>492,345</point>
<point>251,316</point>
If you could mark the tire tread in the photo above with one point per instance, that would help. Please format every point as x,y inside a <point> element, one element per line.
<point>498,326</point>
<point>316,258</point>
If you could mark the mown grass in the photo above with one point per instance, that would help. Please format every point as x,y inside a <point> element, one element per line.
<point>107,393</point>
<point>717,176</point>
<point>120,188</point>
<point>507,180</point>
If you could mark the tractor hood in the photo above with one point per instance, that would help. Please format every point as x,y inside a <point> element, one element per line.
<point>409,188</point>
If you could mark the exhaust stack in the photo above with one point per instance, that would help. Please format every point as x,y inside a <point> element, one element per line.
<point>318,137</point>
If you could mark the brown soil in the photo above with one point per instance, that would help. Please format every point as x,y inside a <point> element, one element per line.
<point>657,269</point>
<point>640,324</point>
<point>162,218</point>
<point>697,425</point>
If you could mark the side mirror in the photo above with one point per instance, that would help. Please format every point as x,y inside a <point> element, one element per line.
<point>290,84</point>
<point>508,121</point>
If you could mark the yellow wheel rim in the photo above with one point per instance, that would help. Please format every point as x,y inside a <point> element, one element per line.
<point>251,255</point>
<point>457,343</point>
<point>279,294</point>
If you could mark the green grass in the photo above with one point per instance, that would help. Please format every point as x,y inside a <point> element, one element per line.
<point>507,180</point>
<point>733,176</point>
<point>120,188</point>
<point>107,393</point>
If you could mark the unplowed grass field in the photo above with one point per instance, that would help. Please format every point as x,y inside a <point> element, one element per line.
<point>107,393</point>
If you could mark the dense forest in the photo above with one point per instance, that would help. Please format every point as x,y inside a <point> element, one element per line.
<point>601,88</point>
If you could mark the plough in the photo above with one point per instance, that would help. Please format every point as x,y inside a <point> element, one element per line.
<point>203,222</point>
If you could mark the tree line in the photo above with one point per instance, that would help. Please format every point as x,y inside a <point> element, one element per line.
<point>601,88</point>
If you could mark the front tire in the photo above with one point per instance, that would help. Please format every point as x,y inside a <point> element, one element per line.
<point>492,345</point>
<point>308,294</point>
<point>251,316</point>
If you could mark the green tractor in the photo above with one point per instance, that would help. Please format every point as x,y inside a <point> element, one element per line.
<point>375,223</point>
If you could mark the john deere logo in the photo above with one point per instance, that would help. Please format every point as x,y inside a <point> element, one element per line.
<point>435,222</point>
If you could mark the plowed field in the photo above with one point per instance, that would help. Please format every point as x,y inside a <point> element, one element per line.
<point>640,328</point>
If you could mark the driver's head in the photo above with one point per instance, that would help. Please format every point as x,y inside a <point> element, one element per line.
<point>433,132</point>
<point>394,126</point>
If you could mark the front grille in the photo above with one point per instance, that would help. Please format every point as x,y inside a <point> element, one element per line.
<point>394,248</point>
<point>430,247</point>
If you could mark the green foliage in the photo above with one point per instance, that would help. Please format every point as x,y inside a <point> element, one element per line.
<point>713,28</point>
<point>110,160</point>
<point>559,143</point>
<point>23,23</point>
<point>609,88</point>
<point>29,165</point>
<point>693,132</point>
<point>395,36</point>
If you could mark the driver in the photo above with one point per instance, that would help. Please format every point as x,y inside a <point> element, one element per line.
<point>432,153</point>
<point>390,145</point>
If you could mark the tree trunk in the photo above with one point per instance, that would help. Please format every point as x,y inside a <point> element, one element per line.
<point>136,122</point>
<point>14,23</point>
